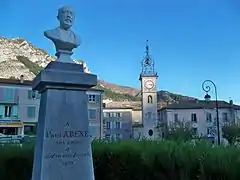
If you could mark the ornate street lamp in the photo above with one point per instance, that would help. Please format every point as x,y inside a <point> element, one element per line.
<point>207,97</point>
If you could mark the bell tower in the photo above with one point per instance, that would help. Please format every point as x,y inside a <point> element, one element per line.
<point>148,79</point>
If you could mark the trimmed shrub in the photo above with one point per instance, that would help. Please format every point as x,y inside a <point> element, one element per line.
<point>144,160</point>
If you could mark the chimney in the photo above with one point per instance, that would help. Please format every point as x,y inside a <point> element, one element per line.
<point>231,102</point>
<point>21,78</point>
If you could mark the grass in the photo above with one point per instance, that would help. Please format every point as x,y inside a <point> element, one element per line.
<point>144,160</point>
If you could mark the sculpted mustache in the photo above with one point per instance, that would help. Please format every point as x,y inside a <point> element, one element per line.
<point>68,19</point>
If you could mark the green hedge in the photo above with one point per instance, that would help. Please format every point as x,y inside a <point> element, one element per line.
<point>139,161</point>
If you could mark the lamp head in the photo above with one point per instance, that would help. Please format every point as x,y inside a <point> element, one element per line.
<point>207,97</point>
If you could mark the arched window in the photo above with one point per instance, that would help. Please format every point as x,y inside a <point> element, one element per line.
<point>150,100</point>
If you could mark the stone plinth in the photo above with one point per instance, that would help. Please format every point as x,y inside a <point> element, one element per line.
<point>63,149</point>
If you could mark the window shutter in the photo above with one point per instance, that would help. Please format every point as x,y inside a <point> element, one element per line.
<point>111,125</point>
<point>1,93</point>
<point>1,111</point>
<point>108,125</point>
<point>31,111</point>
<point>29,94</point>
<point>104,114</point>
<point>15,111</point>
<point>8,94</point>
<point>97,98</point>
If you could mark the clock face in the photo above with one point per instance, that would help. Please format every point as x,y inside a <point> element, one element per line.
<point>149,84</point>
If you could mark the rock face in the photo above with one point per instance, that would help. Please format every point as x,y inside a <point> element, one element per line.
<point>10,66</point>
<point>10,48</point>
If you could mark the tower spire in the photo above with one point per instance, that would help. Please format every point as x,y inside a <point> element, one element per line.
<point>147,63</point>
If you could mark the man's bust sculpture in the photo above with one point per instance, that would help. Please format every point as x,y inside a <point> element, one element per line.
<point>64,39</point>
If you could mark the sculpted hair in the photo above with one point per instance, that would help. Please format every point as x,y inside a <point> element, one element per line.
<point>62,8</point>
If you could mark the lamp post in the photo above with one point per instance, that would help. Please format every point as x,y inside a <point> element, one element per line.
<point>207,97</point>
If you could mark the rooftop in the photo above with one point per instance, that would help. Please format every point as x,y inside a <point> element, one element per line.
<point>201,104</point>
<point>123,104</point>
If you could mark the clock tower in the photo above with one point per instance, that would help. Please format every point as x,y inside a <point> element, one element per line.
<point>148,79</point>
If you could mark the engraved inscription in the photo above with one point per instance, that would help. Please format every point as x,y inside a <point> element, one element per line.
<point>66,134</point>
<point>65,139</point>
<point>68,142</point>
<point>65,155</point>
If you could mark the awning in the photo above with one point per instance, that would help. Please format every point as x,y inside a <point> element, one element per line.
<point>13,124</point>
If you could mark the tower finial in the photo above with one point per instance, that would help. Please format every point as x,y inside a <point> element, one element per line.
<point>147,59</point>
<point>147,48</point>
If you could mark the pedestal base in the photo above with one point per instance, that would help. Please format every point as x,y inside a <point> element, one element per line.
<point>64,56</point>
<point>63,148</point>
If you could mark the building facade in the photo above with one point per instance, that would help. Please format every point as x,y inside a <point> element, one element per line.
<point>117,123</point>
<point>199,115</point>
<point>19,108</point>
<point>29,102</point>
<point>137,126</point>
<point>10,122</point>
<point>95,115</point>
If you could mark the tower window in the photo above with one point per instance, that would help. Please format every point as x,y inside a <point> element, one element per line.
<point>150,100</point>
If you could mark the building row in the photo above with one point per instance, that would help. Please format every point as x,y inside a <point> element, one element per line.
<point>19,107</point>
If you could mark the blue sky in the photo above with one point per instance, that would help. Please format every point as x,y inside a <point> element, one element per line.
<point>190,41</point>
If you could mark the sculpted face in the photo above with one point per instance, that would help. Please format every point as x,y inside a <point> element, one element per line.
<point>66,17</point>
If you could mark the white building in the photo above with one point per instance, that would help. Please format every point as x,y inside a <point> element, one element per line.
<point>201,115</point>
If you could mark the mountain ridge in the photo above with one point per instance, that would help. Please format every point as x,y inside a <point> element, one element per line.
<point>19,57</point>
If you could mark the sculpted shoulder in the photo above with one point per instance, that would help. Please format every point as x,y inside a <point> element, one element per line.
<point>77,39</point>
<point>64,36</point>
<point>52,33</point>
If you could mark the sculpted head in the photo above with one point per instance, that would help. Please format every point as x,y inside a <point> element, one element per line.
<point>66,17</point>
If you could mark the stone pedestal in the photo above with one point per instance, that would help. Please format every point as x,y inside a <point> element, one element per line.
<point>64,56</point>
<point>63,147</point>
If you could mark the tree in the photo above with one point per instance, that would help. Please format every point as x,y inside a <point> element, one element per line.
<point>33,67</point>
<point>180,131</point>
<point>231,132</point>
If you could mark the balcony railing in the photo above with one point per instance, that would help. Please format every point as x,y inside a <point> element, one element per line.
<point>9,119</point>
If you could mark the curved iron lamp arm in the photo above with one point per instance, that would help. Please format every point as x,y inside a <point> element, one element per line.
<point>207,88</point>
